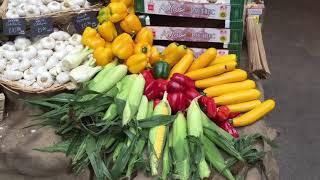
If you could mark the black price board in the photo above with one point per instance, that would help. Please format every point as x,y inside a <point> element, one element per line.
<point>83,20</point>
<point>41,26</point>
<point>14,26</point>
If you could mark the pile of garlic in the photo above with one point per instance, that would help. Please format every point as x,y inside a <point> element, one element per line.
<point>30,8</point>
<point>38,62</point>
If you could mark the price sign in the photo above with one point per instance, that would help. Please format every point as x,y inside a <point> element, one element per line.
<point>14,26</point>
<point>41,26</point>
<point>84,20</point>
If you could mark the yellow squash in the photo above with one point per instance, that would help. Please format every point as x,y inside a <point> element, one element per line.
<point>237,97</point>
<point>144,48</point>
<point>92,39</point>
<point>155,55</point>
<point>103,55</point>
<point>173,53</point>
<point>145,35</point>
<point>123,46</point>
<point>223,59</point>
<point>244,107</point>
<point>131,24</point>
<point>211,71</point>
<point>255,114</point>
<point>108,31</point>
<point>204,59</point>
<point>137,63</point>
<point>183,65</point>
<point>228,77</point>
<point>228,88</point>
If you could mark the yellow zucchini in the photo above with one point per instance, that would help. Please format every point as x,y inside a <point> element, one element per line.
<point>237,97</point>
<point>223,59</point>
<point>255,114</point>
<point>210,71</point>
<point>228,88</point>
<point>204,59</point>
<point>228,77</point>
<point>244,107</point>
<point>183,65</point>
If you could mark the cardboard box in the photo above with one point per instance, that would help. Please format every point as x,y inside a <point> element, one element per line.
<point>229,10</point>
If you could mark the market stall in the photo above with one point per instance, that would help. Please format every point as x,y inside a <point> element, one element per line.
<point>122,89</point>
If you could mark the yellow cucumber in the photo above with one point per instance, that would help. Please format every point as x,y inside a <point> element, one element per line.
<point>237,97</point>
<point>211,71</point>
<point>204,59</point>
<point>223,59</point>
<point>228,77</point>
<point>255,114</point>
<point>228,88</point>
<point>244,107</point>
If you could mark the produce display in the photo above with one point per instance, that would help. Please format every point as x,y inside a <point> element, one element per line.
<point>31,8</point>
<point>166,113</point>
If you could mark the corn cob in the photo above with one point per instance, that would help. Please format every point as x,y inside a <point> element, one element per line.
<point>181,147</point>
<point>157,136</point>
<point>134,99</point>
<point>143,108</point>
<point>111,113</point>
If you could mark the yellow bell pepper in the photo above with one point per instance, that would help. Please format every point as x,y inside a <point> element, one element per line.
<point>108,45</point>
<point>102,55</point>
<point>114,12</point>
<point>137,62</point>
<point>126,2</point>
<point>131,10</point>
<point>108,31</point>
<point>123,46</point>
<point>145,35</point>
<point>131,24</point>
<point>173,53</point>
<point>144,48</point>
<point>92,39</point>
<point>183,65</point>
<point>154,55</point>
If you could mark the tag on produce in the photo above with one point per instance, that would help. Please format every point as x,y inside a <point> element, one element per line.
<point>84,20</point>
<point>41,26</point>
<point>14,26</point>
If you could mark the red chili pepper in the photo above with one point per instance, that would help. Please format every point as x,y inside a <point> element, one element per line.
<point>177,101</point>
<point>223,113</point>
<point>148,76</point>
<point>191,93</point>
<point>175,87</point>
<point>233,115</point>
<point>229,128</point>
<point>183,80</point>
<point>209,106</point>
<point>156,102</point>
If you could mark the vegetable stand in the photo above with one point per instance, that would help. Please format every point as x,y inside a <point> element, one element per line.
<point>140,104</point>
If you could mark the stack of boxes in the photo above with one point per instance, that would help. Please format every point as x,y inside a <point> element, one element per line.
<point>200,25</point>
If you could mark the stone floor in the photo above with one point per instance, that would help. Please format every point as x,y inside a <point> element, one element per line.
<point>293,48</point>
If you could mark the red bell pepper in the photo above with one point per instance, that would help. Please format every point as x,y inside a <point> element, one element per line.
<point>233,115</point>
<point>148,76</point>
<point>183,80</point>
<point>191,93</point>
<point>229,128</point>
<point>177,101</point>
<point>175,87</point>
<point>155,89</point>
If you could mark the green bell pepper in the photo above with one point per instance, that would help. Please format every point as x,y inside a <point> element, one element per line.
<point>161,69</point>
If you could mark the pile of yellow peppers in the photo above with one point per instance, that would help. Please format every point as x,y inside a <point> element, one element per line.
<point>138,52</point>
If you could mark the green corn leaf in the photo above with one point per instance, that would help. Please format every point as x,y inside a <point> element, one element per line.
<point>61,146</point>
<point>155,121</point>
<point>43,103</point>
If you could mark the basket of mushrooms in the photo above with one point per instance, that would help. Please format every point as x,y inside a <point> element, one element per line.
<point>42,65</point>
<point>57,9</point>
